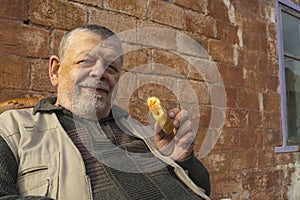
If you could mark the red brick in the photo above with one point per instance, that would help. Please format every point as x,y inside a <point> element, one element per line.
<point>217,9</point>
<point>169,60</point>
<point>262,63</point>
<point>205,116</point>
<point>14,72</point>
<point>203,69</point>
<point>220,51</point>
<point>97,3</point>
<point>200,135</point>
<point>255,119</point>
<point>243,159</point>
<point>251,40</point>
<point>272,66</point>
<point>197,5</point>
<point>201,39</point>
<point>271,31</point>
<point>134,60</point>
<point>194,74</point>
<point>251,139</point>
<point>271,101</point>
<point>252,6</point>
<point>156,35</point>
<point>268,158</point>
<point>254,81</point>
<point>56,37</point>
<point>229,140</point>
<point>199,23</point>
<point>25,40</point>
<point>231,184</point>
<point>227,71</point>
<point>260,184</point>
<point>200,90</point>
<point>269,83</point>
<point>253,24</point>
<point>115,22</point>
<point>14,9</point>
<point>188,45</point>
<point>227,32</point>
<point>248,99</point>
<point>231,97</point>
<point>155,85</point>
<point>267,120</point>
<point>39,78</point>
<point>271,48</point>
<point>136,8</point>
<point>276,119</point>
<point>219,160</point>
<point>236,118</point>
<point>57,14</point>
<point>272,138</point>
<point>139,110</point>
<point>244,58</point>
<point>166,13</point>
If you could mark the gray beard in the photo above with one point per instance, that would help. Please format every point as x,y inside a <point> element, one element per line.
<point>90,105</point>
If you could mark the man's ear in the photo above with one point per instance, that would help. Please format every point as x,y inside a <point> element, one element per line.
<point>54,64</point>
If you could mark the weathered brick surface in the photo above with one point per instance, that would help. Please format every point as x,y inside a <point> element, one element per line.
<point>14,9</point>
<point>56,37</point>
<point>198,23</point>
<point>132,7</point>
<point>166,13</point>
<point>156,35</point>
<point>227,32</point>
<point>248,99</point>
<point>14,71</point>
<point>238,47</point>
<point>114,21</point>
<point>57,14</point>
<point>197,5</point>
<point>226,72</point>
<point>135,60</point>
<point>40,80</point>
<point>169,60</point>
<point>218,9</point>
<point>98,3</point>
<point>24,40</point>
<point>221,51</point>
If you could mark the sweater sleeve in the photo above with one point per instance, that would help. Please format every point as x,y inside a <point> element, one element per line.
<point>8,176</point>
<point>197,172</point>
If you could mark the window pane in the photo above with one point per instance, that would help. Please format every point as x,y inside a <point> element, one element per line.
<point>291,35</point>
<point>292,80</point>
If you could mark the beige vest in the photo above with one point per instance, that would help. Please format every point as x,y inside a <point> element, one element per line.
<point>49,163</point>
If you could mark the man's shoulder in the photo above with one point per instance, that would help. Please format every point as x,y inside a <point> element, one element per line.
<point>21,116</point>
<point>17,112</point>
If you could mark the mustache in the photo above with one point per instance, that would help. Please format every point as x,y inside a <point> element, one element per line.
<point>99,85</point>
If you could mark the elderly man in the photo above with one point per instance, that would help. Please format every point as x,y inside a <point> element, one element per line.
<point>71,147</point>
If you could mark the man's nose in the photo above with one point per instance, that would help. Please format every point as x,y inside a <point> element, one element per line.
<point>98,70</point>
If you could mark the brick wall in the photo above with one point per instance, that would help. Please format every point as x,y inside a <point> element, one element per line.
<point>240,38</point>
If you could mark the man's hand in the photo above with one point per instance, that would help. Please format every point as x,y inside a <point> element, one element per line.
<point>179,144</point>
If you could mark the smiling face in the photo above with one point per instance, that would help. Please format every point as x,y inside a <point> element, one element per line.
<point>87,74</point>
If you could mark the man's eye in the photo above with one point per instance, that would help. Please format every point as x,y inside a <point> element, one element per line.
<point>111,69</point>
<point>86,62</point>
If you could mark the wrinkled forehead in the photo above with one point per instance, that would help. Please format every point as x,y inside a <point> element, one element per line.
<point>94,44</point>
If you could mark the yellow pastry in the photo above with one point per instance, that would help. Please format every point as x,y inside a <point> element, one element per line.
<point>160,114</point>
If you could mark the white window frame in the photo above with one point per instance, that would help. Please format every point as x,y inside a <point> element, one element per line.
<point>285,147</point>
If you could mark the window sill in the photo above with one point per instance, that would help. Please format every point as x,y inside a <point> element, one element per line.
<point>287,149</point>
